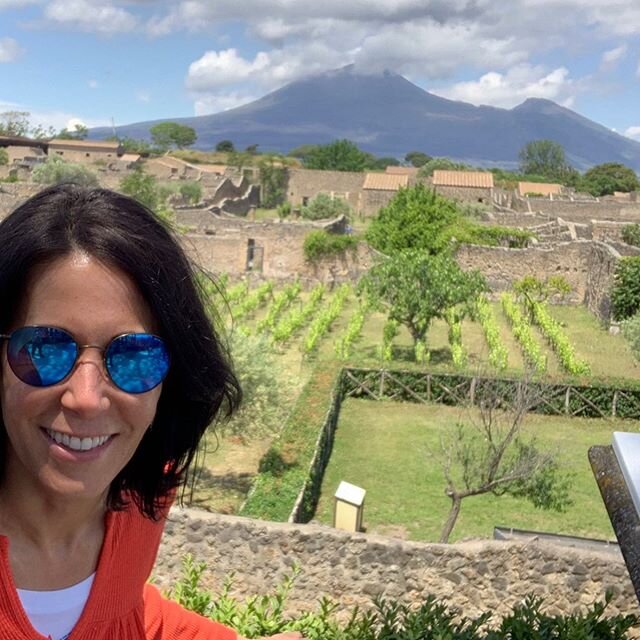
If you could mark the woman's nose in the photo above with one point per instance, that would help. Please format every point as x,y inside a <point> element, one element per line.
<point>85,391</point>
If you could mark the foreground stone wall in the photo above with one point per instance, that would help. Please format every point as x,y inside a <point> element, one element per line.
<point>351,568</point>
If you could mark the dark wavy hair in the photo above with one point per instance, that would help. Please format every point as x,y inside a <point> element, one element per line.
<point>119,231</point>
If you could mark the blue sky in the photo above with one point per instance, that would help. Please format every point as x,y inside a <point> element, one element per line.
<point>100,61</point>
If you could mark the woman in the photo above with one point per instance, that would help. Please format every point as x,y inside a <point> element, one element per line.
<point>110,374</point>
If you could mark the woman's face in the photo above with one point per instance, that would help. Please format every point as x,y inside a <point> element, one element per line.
<point>94,302</point>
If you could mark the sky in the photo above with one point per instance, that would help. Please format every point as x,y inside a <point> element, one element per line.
<point>104,62</point>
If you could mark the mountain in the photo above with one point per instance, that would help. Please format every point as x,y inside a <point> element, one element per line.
<point>387,115</point>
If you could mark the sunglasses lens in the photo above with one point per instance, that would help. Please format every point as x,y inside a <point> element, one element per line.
<point>137,362</point>
<point>41,356</point>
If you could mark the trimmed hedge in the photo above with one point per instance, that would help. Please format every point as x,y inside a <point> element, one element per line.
<point>287,479</point>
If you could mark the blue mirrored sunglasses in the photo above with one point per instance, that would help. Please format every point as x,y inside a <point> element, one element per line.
<point>44,356</point>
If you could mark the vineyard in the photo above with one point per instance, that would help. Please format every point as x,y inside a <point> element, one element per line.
<point>299,329</point>
<point>507,336</point>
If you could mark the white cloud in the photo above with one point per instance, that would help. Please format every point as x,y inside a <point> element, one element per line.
<point>93,84</point>
<point>633,132</point>
<point>143,96</point>
<point>513,87</point>
<point>10,50</point>
<point>220,68</point>
<point>221,102</point>
<point>90,15</point>
<point>612,57</point>
<point>9,4</point>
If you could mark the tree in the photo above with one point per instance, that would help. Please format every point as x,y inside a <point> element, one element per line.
<point>323,206</point>
<point>533,290</point>
<point>445,164</point>
<point>79,132</point>
<point>545,158</point>
<point>56,171</point>
<point>141,186</point>
<point>604,179</point>
<point>273,182</point>
<point>417,158</point>
<point>252,149</point>
<point>383,162</point>
<point>225,146</point>
<point>15,123</point>
<point>416,218</point>
<point>625,295</point>
<point>171,134</point>
<point>489,454</point>
<point>415,288</point>
<point>340,155</point>
<point>302,152</point>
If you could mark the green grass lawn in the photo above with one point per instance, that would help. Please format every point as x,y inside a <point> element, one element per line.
<point>390,449</point>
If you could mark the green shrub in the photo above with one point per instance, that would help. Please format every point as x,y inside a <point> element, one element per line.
<point>625,295</point>
<point>324,206</point>
<point>4,157</point>
<point>56,171</point>
<point>429,619</point>
<point>190,191</point>
<point>284,210</point>
<point>493,236</point>
<point>631,234</point>
<point>631,332</point>
<point>320,244</point>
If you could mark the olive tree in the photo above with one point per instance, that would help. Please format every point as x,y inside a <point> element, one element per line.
<point>490,454</point>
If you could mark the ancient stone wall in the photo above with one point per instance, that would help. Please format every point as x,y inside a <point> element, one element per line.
<point>581,211</point>
<point>308,183</point>
<point>502,267</point>
<point>351,568</point>
<point>279,247</point>
<point>373,200</point>
<point>466,194</point>
<point>13,194</point>
<point>601,268</point>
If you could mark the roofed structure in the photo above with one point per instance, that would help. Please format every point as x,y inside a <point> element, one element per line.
<point>471,179</point>
<point>385,181</point>
<point>102,145</point>
<point>540,188</point>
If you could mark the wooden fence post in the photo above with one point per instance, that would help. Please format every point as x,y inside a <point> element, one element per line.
<point>472,391</point>
<point>567,396</point>
<point>614,404</point>
<point>382,384</point>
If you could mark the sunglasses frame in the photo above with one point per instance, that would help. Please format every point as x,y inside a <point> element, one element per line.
<point>80,347</point>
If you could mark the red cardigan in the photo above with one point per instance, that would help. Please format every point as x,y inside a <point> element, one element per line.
<point>121,605</point>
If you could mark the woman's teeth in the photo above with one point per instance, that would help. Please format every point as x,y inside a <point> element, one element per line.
<point>75,443</point>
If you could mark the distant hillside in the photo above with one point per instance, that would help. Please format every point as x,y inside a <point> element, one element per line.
<point>387,115</point>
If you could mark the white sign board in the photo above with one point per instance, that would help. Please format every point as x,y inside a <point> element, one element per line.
<point>627,449</point>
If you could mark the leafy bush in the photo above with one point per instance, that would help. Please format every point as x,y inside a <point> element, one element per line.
<point>631,234</point>
<point>143,187</point>
<point>190,191</point>
<point>284,210</point>
<point>266,387</point>
<point>56,171</point>
<point>321,244</point>
<point>631,331</point>
<point>4,157</point>
<point>264,615</point>
<point>625,295</point>
<point>323,207</point>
